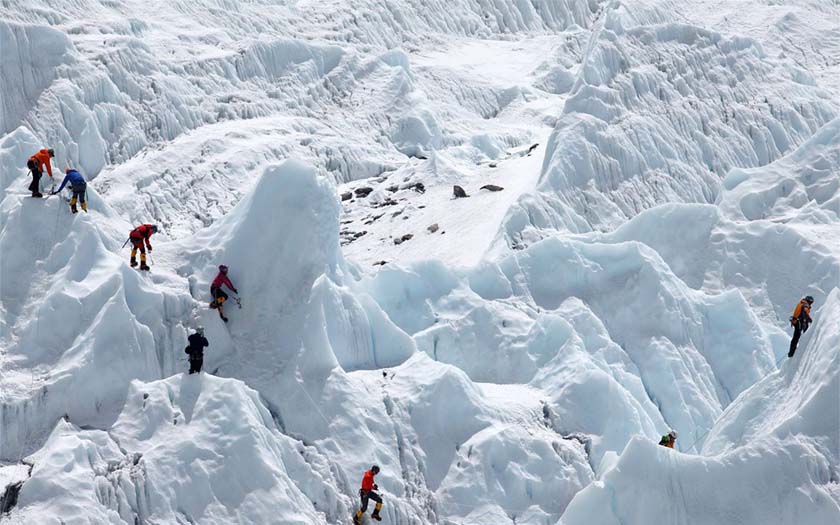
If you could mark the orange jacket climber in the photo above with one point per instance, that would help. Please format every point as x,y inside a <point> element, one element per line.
<point>43,158</point>
<point>800,320</point>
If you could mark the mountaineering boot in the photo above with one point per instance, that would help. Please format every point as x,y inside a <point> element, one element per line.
<point>133,262</point>
<point>357,518</point>
<point>214,304</point>
<point>84,206</point>
<point>144,266</point>
<point>375,514</point>
<point>73,205</point>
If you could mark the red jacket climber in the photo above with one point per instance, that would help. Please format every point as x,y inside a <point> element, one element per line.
<point>216,292</point>
<point>367,493</point>
<point>139,238</point>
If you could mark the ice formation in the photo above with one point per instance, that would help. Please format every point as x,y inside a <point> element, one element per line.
<point>670,188</point>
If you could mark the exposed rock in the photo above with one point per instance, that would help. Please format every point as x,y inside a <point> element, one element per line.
<point>433,228</point>
<point>533,147</point>
<point>346,196</point>
<point>493,164</point>
<point>459,192</point>
<point>363,191</point>
<point>393,188</point>
<point>492,187</point>
<point>380,263</point>
<point>406,237</point>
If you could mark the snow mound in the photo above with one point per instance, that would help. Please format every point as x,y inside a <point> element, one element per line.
<point>769,481</point>
<point>190,447</point>
<point>805,185</point>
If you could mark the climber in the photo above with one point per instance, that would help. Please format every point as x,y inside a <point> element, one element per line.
<point>669,439</point>
<point>367,493</point>
<point>801,320</point>
<point>138,237</point>
<point>42,158</point>
<point>196,349</point>
<point>79,187</point>
<point>216,292</point>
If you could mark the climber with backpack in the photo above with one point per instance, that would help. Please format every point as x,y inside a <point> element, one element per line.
<point>34,163</point>
<point>216,292</point>
<point>801,320</point>
<point>366,493</point>
<point>195,350</point>
<point>139,238</point>
<point>669,439</point>
<point>79,187</point>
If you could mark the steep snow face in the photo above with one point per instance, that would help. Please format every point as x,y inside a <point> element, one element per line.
<point>776,446</point>
<point>799,400</point>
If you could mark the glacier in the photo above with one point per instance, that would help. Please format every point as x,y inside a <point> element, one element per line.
<point>670,177</point>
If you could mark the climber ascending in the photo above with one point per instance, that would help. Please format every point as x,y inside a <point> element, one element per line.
<point>216,292</point>
<point>669,439</point>
<point>196,349</point>
<point>139,238</point>
<point>801,320</point>
<point>367,493</point>
<point>42,158</point>
<point>79,187</point>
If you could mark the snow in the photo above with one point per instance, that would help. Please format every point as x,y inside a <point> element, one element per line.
<point>670,191</point>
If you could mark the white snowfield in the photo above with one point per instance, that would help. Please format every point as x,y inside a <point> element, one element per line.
<point>670,189</point>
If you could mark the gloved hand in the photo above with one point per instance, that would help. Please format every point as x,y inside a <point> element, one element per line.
<point>236,291</point>
<point>375,486</point>
<point>149,248</point>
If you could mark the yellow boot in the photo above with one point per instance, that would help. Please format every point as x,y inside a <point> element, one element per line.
<point>73,204</point>
<point>133,257</point>
<point>357,518</point>
<point>143,265</point>
<point>375,514</point>
<point>84,206</point>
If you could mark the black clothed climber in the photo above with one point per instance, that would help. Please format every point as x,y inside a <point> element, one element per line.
<point>196,349</point>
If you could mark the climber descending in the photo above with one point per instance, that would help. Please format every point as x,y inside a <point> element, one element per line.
<point>196,350</point>
<point>669,439</point>
<point>367,493</point>
<point>216,292</point>
<point>801,320</point>
<point>79,187</point>
<point>35,162</point>
<point>139,238</point>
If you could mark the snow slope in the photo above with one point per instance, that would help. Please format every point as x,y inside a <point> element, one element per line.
<point>670,190</point>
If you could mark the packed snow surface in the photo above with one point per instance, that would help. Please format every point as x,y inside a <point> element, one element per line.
<point>650,188</point>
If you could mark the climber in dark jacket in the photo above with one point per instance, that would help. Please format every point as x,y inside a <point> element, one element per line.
<point>196,349</point>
